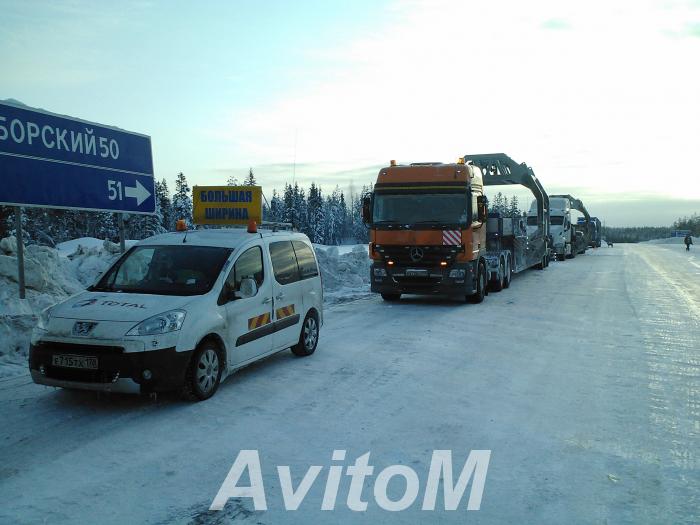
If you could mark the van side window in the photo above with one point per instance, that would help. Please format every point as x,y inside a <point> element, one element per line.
<point>249,265</point>
<point>284,262</point>
<point>306,259</point>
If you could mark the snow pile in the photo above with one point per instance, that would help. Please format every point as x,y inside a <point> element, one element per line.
<point>673,240</point>
<point>51,275</point>
<point>345,271</point>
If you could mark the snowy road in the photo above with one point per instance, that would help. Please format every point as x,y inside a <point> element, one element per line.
<point>583,380</point>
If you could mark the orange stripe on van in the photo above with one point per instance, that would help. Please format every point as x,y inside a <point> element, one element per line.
<point>258,321</point>
<point>284,311</point>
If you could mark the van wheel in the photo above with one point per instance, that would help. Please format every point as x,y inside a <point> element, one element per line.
<point>308,338</point>
<point>203,375</point>
<point>480,293</point>
<point>391,296</point>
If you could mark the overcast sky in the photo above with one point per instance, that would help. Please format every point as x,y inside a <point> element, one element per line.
<point>601,98</point>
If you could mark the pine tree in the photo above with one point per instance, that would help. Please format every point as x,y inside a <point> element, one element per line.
<point>232,181</point>
<point>182,202</point>
<point>499,204</point>
<point>164,205</point>
<point>315,215</point>
<point>250,179</point>
<point>276,208</point>
<point>514,207</point>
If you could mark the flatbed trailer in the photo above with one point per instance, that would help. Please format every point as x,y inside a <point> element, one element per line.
<point>508,237</point>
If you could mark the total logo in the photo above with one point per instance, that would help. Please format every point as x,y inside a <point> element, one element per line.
<point>95,300</point>
<point>86,302</point>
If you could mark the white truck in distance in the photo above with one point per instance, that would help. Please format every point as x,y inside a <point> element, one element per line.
<point>560,227</point>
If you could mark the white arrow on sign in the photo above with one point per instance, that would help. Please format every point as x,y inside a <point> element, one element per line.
<point>138,192</point>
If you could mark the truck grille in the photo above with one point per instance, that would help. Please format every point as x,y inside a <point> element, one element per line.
<point>431,255</point>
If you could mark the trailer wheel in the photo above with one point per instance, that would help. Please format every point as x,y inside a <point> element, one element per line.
<point>508,275</point>
<point>480,293</point>
<point>497,283</point>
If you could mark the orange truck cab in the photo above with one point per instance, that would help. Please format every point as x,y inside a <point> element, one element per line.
<point>429,232</point>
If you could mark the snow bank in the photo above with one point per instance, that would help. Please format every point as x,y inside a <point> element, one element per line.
<point>51,275</point>
<point>672,240</point>
<point>345,271</point>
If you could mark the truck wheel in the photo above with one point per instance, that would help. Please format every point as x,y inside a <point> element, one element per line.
<point>203,374</point>
<point>497,284</point>
<point>308,338</point>
<point>572,255</point>
<point>542,264</point>
<point>480,293</point>
<point>508,275</point>
<point>391,296</point>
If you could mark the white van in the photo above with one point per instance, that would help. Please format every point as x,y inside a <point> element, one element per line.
<point>182,311</point>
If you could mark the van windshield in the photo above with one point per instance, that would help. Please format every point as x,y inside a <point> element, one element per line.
<point>165,270</point>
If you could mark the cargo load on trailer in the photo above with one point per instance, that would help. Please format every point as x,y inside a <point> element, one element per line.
<point>431,233</point>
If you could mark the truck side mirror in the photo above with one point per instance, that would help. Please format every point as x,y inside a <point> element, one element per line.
<point>367,209</point>
<point>481,208</point>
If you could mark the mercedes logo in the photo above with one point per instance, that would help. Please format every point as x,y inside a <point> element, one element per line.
<point>416,254</point>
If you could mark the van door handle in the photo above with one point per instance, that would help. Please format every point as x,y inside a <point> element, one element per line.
<point>267,300</point>
<point>279,296</point>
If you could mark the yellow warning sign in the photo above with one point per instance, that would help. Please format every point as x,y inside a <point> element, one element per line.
<point>227,204</point>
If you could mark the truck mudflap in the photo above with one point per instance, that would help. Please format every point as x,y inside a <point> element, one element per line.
<point>457,280</point>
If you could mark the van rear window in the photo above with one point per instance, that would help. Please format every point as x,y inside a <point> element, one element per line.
<point>306,260</point>
<point>284,262</point>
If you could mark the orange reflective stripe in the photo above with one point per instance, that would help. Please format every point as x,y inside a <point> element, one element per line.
<point>284,311</point>
<point>258,321</point>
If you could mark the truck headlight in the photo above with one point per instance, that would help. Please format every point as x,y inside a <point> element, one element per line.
<point>159,324</point>
<point>44,318</point>
<point>379,272</point>
<point>457,273</point>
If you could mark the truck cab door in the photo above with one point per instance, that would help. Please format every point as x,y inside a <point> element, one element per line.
<point>249,326</point>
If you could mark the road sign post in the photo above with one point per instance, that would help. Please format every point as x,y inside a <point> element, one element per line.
<point>122,235</point>
<point>20,251</point>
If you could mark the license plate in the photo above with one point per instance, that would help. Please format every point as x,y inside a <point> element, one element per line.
<point>416,272</point>
<point>74,361</point>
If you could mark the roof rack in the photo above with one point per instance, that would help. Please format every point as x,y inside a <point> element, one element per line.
<point>277,226</point>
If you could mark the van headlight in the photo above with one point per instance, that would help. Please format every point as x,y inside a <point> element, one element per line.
<point>159,324</point>
<point>44,318</point>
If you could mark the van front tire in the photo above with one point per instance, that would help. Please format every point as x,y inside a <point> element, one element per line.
<point>308,338</point>
<point>203,375</point>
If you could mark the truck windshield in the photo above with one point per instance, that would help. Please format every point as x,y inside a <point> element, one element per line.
<point>557,220</point>
<point>165,270</point>
<point>423,208</point>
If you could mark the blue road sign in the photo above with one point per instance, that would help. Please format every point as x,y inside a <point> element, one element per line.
<point>55,161</point>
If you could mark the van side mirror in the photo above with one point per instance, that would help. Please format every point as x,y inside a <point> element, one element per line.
<point>248,289</point>
<point>367,209</point>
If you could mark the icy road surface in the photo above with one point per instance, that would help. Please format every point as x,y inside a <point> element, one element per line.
<point>583,380</point>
